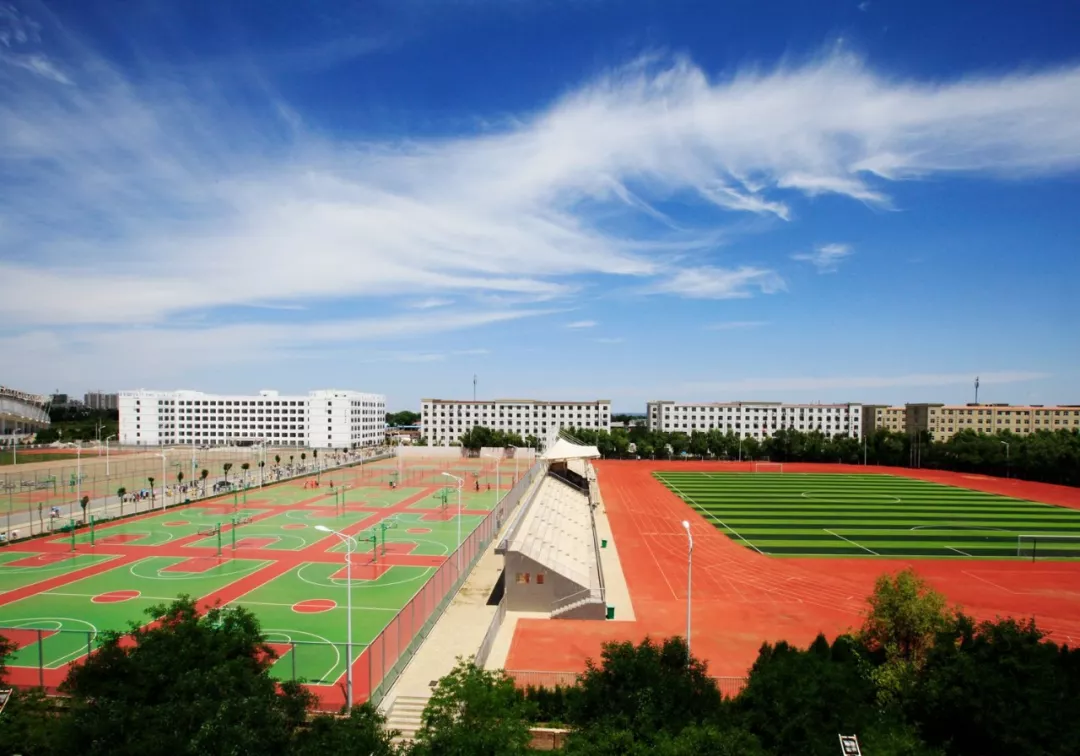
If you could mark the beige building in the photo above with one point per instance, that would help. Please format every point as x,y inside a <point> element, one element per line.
<point>943,421</point>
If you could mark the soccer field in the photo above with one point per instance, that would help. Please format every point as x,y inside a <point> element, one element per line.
<point>807,514</point>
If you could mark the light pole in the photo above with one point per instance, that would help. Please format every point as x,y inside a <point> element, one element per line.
<point>164,505</point>
<point>1008,467</point>
<point>350,547</point>
<point>689,566</point>
<point>107,456</point>
<point>78,472</point>
<point>460,484</point>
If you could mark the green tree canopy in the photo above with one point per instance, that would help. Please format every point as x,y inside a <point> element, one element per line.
<point>474,711</point>
<point>189,683</point>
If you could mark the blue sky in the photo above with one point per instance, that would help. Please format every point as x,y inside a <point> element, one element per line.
<point>831,201</point>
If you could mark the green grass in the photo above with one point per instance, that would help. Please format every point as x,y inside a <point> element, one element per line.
<point>8,458</point>
<point>793,514</point>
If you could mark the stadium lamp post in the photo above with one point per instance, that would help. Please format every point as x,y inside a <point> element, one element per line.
<point>689,565</point>
<point>78,472</point>
<point>1008,466</point>
<point>107,455</point>
<point>460,484</point>
<point>164,459</point>
<point>350,547</point>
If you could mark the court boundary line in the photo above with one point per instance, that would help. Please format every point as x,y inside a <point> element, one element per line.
<point>708,514</point>
<point>853,543</point>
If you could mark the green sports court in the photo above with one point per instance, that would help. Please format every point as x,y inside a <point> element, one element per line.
<point>260,549</point>
<point>820,514</point>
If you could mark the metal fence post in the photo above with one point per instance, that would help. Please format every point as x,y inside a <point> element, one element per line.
<point>293,652</point>
<point>41,658</point>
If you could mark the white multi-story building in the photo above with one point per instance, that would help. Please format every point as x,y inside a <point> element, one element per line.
<point>328,419</point>
<point>754,419</point>
<point>443,421</point>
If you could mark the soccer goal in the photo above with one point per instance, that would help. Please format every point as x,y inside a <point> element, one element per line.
<point>1036,546</point>
<point>768,467</point>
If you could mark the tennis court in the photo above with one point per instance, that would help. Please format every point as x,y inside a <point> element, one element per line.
<point>820,514</point>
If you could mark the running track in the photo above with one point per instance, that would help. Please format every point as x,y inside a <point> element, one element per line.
<point>742,599</point>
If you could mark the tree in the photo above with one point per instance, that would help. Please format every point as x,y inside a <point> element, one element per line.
<point>797,701</point>
<point>904,618</point>
<point>644,690</point>
<point>121,492</point>
<point>277,459</point>
<point>245,467</point>
<point>84,502</point>
<point>179,480</point>
<point>361,732</point>
<point>151,494</point>
<point>262,464</point>
<point>474,711</point>
<point>190,683</point>
<point>405,417</point>
<point>998,687</point>
<point>203,475</point>
<point>226,467</point>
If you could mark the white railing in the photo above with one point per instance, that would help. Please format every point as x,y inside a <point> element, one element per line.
<point>587,596</point>
<point>491,634</point>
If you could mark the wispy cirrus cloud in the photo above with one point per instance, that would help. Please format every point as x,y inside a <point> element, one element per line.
<point>430,303</point>
<point>140,199</point>
<point>721,283</point>
<point>582,324</point>
<point>826,257</point>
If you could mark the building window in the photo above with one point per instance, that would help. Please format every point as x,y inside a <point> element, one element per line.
<point>539,578</point>
<point>523,578</point>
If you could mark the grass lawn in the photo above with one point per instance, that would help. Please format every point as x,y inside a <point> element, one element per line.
<point>806,514</point>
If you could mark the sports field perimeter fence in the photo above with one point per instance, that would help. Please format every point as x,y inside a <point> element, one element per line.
<point>378,664</point>
<point>27,497</point>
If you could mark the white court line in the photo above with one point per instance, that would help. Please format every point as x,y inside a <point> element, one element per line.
<point>853,543</point>
<point>708,514</point>
<point>958,551</point>
<point>91,595</point>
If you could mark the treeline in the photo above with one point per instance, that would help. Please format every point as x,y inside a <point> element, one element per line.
<point>77,423</point>
<point>918,679</point>
<point>1047,456</point>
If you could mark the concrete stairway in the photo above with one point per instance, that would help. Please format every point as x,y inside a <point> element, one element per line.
<point>406,715</point>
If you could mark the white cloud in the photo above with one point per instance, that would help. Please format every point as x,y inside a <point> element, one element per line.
<point>430,303</point>
<point>721,283</point>
<point>137,201</point>
<point>582,324</point>
<point>749,386</point>
<point>826,258</point>
<point>736,325</point>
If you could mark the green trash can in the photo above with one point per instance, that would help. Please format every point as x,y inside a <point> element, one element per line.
<point>603,543</point>
<point>611,612</point>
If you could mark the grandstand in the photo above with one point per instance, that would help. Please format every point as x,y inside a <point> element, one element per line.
<point>551,552</point>
<point>21,415</point>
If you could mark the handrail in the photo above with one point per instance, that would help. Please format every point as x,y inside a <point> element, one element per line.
<point>566,601</point>
<point>539,467</point>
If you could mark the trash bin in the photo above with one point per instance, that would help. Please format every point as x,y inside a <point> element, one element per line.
<point>611,612</point>
<point>603,543</point>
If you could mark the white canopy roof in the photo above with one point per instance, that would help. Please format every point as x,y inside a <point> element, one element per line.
<point>563,449</point>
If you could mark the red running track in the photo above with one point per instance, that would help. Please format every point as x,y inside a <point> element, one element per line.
<point>742,599</point>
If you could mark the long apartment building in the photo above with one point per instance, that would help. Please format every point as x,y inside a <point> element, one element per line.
<point>325,419</point>
<point>444,421</point>
<point>943,421</point>
<point>754,419</point>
